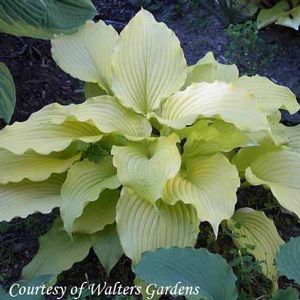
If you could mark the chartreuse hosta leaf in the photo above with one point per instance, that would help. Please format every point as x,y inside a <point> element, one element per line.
<point>228,136</point>
<point>207,274</point>
<point>275,136</point>
<point>204,138</point>
<point>44,18</point>
<point>148,64</point>
<point>280,171</point>
<point>288,260</point>
<point>105,113</point>
<point>109,116</point>
<point>245,156</point>
<point>7,93</point>
<point>275,118</point>
<point>278,138</point>
<point>85,182</point>
<point>270,96</point>
<point>96,215</point>
<point>89,53</point>
<point>293,137</point>
<point>207,69</point>
<point>57,252</point>
<point>46,138</point>
<point>213,100</point>
<point>145,167</point>
<point>46,131</point>
<point>207,183</point>
<point>26,197</point>
<point>278,135</point>
<point>200,130</point>
<point>144,227</point>
<point>33,166</point>
<point>107,247</point>
<point>254,231</point>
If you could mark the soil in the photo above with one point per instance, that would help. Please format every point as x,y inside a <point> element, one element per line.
<point>39,81</point>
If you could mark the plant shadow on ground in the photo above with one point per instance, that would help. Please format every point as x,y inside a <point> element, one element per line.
<point>274,52</point>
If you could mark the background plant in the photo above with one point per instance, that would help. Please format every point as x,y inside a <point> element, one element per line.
<point>285,13</point>
<point>244,43</point>
<point>231,11</point>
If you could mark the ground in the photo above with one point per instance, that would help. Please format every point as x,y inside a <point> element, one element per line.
<point>40,82</point>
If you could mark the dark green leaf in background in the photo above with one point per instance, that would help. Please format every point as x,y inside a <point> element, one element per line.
<point>288,260</point>
<point>44,18</point>
<point>191,267</point>
<point>7,93</point>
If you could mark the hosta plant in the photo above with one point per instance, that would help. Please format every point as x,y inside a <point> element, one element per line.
<point>157,148</point>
